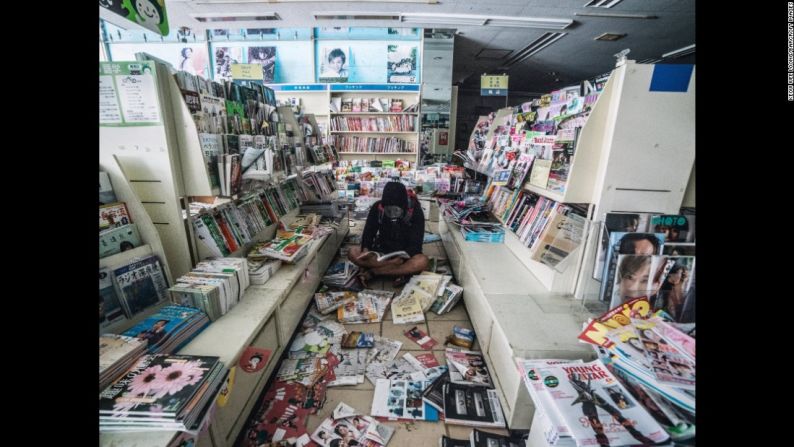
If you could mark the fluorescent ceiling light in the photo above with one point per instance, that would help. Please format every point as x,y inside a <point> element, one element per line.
<point>615,15</point>
<point>354,15</point>
<point>472,19</point>
<point>650,60</point>
<point>226,2</point>
<point>236,16</point>
<point>602,3</point>
<point>534,47</point>
<point>680,52</point>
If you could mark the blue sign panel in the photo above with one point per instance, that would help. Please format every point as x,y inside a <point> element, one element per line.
<point>493,92</point>
<point>388,87</point>
<point>298,87</point>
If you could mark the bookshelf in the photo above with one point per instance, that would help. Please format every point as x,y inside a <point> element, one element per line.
<point>344,139</point>
<point>156,169</point>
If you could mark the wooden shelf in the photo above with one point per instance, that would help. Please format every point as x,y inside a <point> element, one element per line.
<point>381,133</point>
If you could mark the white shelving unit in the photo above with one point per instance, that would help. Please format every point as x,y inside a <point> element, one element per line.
<point>265,318</point>
<point>635,153</point>
<point>152,168</point>
<point>147,158</point>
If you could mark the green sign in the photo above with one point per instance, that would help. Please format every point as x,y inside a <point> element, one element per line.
<point>149,14</point>
<point>128,94</point>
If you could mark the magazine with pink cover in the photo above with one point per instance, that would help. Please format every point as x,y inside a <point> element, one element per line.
<point>668,364</point>
<point>674,336</point>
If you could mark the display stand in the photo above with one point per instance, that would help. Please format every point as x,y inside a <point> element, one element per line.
<point>149,236</point>
<point>148,156</point>
<point>635,153</point>
<point>639,147</point>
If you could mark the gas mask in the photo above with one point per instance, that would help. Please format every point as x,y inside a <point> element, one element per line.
<point>393,213</point>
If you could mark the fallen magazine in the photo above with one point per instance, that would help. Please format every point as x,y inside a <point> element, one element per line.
<point>596,408</point>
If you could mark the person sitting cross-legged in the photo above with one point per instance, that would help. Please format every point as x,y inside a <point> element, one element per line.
<point>394,223</point>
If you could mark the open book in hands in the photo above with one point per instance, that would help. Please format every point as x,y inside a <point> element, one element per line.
<point>381,257</point>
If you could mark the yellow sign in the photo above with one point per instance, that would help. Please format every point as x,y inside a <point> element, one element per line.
<point>247,71</point>
<point>493,81</point>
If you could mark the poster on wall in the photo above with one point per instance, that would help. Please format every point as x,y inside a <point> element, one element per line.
<point>334,64</point>
<point>190,57</point>
<point>224,58</point>
<point>266,57</point>
<point>401,64</point>
<point>150,14</point>
<point>128,94</point>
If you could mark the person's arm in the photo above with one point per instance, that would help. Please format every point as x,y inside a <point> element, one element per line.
<point>417,232</point>
<point>370,228</point>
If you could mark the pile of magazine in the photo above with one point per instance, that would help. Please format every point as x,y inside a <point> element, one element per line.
<point>419,294</point>
<point>116,354</point>
<point>169,329</point>
<point>287,246</point>
<point>341,275</point>
<point>214,286</point>
<point>368,307</point>
<point>645,373</point>
<point>259,272</point>
<point>162,393</point>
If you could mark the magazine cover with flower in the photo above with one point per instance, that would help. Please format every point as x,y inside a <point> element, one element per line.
<point>158,385</point>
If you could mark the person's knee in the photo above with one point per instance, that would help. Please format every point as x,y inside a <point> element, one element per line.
<point>353,253</point>
<point>421,261</point>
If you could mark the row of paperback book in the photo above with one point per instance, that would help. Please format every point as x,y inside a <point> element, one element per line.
<point>227,228</point>
<point>372,144</point>
<point>397,123</point>
<point>358,104</point>
<point>214,286</point>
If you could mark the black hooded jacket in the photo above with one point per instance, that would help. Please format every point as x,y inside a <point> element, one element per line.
<point>380,234</point>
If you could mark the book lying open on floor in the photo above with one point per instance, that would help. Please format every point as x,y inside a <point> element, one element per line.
<point>384,257</point>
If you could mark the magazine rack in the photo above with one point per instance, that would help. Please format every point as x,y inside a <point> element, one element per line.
<point>635,153</point>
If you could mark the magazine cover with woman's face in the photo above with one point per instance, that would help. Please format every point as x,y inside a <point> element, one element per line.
<point>334,65</point>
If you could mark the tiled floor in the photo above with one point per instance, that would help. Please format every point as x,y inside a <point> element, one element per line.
<point>415,434</point>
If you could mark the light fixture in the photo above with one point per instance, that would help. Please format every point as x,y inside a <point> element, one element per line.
<point>615,15</point>
<point>236,17</point>
<point>354,15</point>
<point>602,3</point>
<point>535,46</point>
<point>610,37</point>
<point>226,2</point>
<point>689,49</point>
<point>480,20</point>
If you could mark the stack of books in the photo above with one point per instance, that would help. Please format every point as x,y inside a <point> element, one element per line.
<point>162,393</point>
<point>341,275</point>
<point>117,353</point>
<point>214,286</point>
<point>169,329</point>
